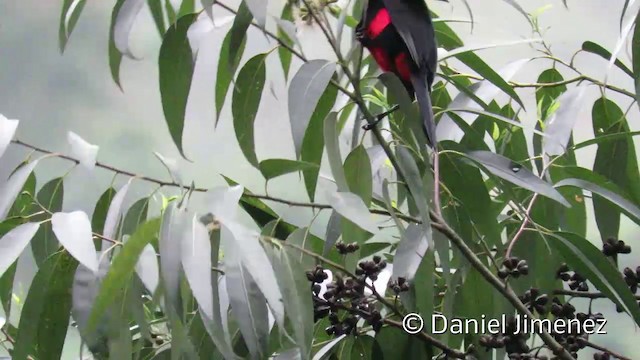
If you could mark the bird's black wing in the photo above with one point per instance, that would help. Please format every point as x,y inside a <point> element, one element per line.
<point>412,20</point>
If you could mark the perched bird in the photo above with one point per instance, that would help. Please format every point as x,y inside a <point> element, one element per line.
<point>399,35</point>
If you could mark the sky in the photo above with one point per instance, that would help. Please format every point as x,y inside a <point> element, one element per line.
<point>53,93</point>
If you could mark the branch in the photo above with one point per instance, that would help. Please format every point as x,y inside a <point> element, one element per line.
<point>422,335</point>
<point>585,295</point>
<point>439,224</point>
<point>586,342</point>
<point>201,189</point>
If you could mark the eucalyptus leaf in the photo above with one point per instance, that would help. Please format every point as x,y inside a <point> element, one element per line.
<point>82,150</point>
<point>246,102</point>
<point>627,206</point>
<point>517,174</point>
<point>13,243</point>
<point>8,129</point>
<point>305,89</point>
<point>175,68</point>
<point>73,230</point>
<point>124,23</point>
<point>10,189</point>
<point>71,10</point>
<point>196,262</point>
<point>351,207</point>
<point>559,126</point>
<point>147,268</point>
<point>247,302</point>
<point>174,222</point>
<point>412,247</point>
<point>272,168</point>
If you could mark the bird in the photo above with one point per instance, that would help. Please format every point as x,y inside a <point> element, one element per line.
<point>400,36</point>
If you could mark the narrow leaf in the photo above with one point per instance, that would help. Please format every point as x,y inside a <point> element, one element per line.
<point>559,126</point>
<point>196,262</point>
<point>176,72</point>
<point>13,243</point>
<point>306,87</point>
<point>73,230</point>
<point>246,102</point>
<point>82,150</point>
<point>517,174</point>
<point>10,189</point>
<point>272,168</point>
<point>8,128</point>
<point>351,207</point>
<point>124,21</point>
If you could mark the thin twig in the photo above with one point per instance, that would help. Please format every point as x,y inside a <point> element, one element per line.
<point>598,347</point>
<point>585,295</point>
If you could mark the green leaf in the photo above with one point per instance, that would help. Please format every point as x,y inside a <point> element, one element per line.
<point>608,119</point>
<point>635,56</point>
<point>247,302</point>
<point>447,38</point>
<point>100,214</point>
<point>45,315</point>
<point>357,170</point>
<point>14,242</point>
<point>122,268</point>
<point>186,7</point>
<point>284,54</point>
<point>586,259</point>
<point>592,47</point>
<point>305,90</point>
<point>238,33</point>
<point>351,207</point>
<point>517,174</point>
<point>471,195</point>
<point>155,7</point>
<point>68,20</point>
<point>297,299</point>
<point>245,104</point>
<point>313,141</point>
<point>332,144</point>
<point>607,191</point>
<point>176,72</point>
<point>259,10</point>
<point>12,187</point>
<point>414,181</point>
<point>263,214</point>
<point>44,244</point>
<point>226,70</point>
<point>115,56</point>
<point>272,168</point>
<point>559,125</point>
<point>136,215</point>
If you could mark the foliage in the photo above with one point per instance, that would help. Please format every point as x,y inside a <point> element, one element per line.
<point>507,239</point>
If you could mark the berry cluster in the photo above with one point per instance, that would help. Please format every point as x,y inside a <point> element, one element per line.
<point>612,247</point>
<point>632,278</point>
<point>513,267</point>
<point>575,281</point>
<point>514,344</point>
<point>344,249</point>
<point>535,301</point>
<point>344,302</point>
<point>401,285</point>
<point>371,268</point>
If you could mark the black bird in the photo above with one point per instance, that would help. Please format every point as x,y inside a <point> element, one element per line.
<point>400,36</point>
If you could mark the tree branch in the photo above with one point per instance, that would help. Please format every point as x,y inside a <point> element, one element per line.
<point>585,295</point>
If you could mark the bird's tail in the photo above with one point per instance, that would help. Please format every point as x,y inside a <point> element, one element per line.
<point>426,111</point>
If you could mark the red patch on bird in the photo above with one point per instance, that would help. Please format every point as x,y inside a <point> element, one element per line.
<point>384,62</point>
<point>379,23</point>
<point>403,67</point>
